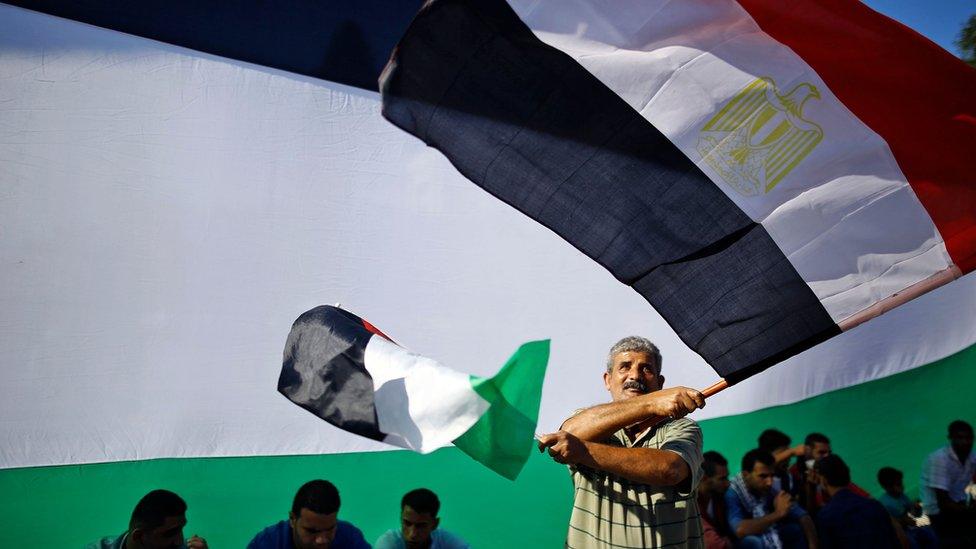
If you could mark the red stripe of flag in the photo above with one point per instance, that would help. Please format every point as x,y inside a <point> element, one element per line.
<point>375,330</point>
<point>914,94</point>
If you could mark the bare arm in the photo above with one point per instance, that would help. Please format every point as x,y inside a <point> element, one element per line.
<point>810,531</point>
<point>599,422</point>
<point>645,465</point>
<point>787,453</point>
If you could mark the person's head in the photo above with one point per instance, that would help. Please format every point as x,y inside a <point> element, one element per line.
<point>716,478</point>
<point>817,446</point>
<point>418,517</point>
<point>961,438</point>
<point>757,470</point>
<point>158,520</point>
<point>633,368</point>
<point>891,480</point>
<point>773,441</point>
<point>314,515</point>
<point>833,472</point>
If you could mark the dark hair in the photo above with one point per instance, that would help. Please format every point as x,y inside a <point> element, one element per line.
<point>752,456</point>
<point>814,438</point>
<point>318,496</point>
<point>771,439</point>
<point>959,426</point>
<point>421,500</point>
<point>888,477</point>
<point>834,470</point>
<point>154,507</point>
<point>712,459</point>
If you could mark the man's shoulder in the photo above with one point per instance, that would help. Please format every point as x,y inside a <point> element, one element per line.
<point>445,539</point>
<point>391,539</point>
<point>348,535</point>
<point>274,536</point>
<point>108,542</point>
<point>938,455</point>
<point>682,427</point>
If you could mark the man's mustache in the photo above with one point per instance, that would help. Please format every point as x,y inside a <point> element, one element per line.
<point>635,384</point>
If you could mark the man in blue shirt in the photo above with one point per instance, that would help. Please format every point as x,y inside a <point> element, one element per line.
<point>157,522</point>
<point>849,520</point>
<point>312,523</point>
<point>761,517</point>
<point>419,525</point>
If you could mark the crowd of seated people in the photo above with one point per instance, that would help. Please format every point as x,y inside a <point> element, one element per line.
<point>313,522</point>
<point>770,504</point>
<point>812,502</point>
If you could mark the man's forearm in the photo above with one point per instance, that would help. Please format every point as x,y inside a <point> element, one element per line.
<point>810,531</point>
<point>643,465</point>
<point>599,422</point>
<point>756,526</point>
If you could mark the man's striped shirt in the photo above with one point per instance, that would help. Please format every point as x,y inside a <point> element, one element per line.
<point>611,511</point>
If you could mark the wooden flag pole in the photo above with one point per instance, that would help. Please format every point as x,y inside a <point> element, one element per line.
<point>714,388</point>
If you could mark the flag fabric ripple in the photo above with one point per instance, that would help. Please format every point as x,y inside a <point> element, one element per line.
<point>699,151</point>
<point>344,370</point>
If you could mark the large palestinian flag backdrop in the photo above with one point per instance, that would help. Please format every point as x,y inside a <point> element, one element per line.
<point>178,183</point>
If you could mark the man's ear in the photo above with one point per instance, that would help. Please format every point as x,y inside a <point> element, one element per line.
<point>137,535</point>
<point>435,523</point>
<point>606,380</point>
<point>660,382</point>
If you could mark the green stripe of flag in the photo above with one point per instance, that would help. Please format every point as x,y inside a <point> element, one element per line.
<point>502,439</point>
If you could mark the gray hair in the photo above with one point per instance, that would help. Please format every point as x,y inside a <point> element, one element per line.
<point>635,344</point>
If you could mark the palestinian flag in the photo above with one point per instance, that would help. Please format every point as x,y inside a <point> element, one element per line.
<point>761,192</point>
<point>347,372</point>
<point>179,180</point>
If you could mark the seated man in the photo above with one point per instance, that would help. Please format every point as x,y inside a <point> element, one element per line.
<point>312,522</point>
<point>777,442</point>
<point>711,501</point>
<point>902,509</point>
<point>808,489</point>
<point>848,520</point>
<point>157,521</point>
<point>945,474</point>
<point>762,517</point>
<point>419,525</point>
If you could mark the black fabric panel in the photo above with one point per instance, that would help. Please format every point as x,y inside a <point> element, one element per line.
<point>531,126</point>
<point>323,370</point>
<point>346,41</point>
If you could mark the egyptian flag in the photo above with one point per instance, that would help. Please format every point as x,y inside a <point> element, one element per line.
<point>766,174</point>
<point>344,370</point>
<point>179,180</point>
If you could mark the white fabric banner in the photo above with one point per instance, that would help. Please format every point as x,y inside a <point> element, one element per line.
<point>166,215</point>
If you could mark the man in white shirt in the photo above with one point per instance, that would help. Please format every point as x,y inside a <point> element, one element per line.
<point>945,474</point>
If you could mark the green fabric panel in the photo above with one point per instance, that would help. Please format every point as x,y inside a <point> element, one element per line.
<point>231,499</point>
<point>894,421</point>
<point>502,439</point>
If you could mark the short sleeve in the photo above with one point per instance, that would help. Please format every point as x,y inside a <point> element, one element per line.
<point>447,540</point>
<point>935,473</point>
<point>684,437</point>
